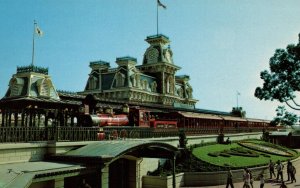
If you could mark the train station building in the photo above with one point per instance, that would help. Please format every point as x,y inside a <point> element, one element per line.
<point>154,84</point>
<point>34,112</point>
<point>53,150</point>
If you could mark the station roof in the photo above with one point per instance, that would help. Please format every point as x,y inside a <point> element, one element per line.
<point>22,174</point>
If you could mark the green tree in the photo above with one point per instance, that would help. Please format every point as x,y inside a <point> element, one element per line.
<point>284,117</point>
<point>282,82</point>
<point>238,111</point>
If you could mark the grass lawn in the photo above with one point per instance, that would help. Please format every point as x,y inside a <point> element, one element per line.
<point>234,161</point>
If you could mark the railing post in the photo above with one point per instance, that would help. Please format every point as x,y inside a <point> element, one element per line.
<point>174,172</point>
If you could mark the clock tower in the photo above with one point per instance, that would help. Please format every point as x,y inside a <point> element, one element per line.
<point>158,62</point>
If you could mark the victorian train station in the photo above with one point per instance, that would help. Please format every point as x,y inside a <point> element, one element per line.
<point>113,132</point>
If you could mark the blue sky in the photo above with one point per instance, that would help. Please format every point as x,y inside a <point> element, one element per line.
<point>222,44</point>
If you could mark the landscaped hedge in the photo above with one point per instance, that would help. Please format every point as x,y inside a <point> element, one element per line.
<point>238,151</point>
<point>276,150</point>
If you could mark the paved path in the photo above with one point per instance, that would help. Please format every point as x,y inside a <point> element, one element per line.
<point>270,183</point>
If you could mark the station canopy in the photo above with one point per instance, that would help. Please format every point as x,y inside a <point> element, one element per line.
<point>106,151</point>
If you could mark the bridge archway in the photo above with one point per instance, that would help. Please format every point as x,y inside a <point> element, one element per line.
<point>118,161</point>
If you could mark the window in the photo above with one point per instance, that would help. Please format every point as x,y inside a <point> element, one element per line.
<point>16,85</point>
<point>152,55</point>
<point>154,87</point>
<point>92,82</point>
<point>120,79</point>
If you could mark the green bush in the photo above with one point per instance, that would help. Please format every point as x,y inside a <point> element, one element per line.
<point>214,154</point>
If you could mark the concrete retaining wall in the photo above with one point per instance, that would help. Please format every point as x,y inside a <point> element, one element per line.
<point>34,151</point>
<point>193,179</point>
<point>22,152</point>
<point>219,178</point>
<point>162,182</point>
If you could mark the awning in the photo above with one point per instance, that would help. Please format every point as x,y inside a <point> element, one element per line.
<point>200,115</point>
<point>232,118</point>
<point>258,120</point>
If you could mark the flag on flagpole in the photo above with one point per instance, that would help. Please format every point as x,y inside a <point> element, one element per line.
<point>38,31</point>
<point>160,4</point>
<point>238,93</point>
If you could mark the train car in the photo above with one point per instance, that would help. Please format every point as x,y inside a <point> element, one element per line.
<point>136,118</point>
<point>163,124</point>
<point>207,123</point>
<point>139,117</point>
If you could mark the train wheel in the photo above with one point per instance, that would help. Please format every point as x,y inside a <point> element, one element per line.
<point>123,134</point>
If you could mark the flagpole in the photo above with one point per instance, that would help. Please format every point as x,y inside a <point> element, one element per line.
<point>33,35</point>
<point>157,17</point>
<point>237,99</point>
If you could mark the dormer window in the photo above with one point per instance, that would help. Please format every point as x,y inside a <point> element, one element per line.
<point>16,86</point>
<point>92,82</point>
<point>44,87</point>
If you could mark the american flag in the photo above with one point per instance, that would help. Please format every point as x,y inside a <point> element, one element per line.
<point>160,4</point>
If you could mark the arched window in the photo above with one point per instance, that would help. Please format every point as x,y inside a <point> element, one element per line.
<point>154,86</point>
<point>145,84</point>
<point>92,82</point>
<point>133,80</point>
<point>180,92</point>
<point>120,79</point>
<point>137,80</point>
<point>44,86</point>
<point>170,85</point>
<point>189,92</point>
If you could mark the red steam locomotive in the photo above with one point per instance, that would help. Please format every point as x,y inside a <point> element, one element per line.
<point>135,118</point>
